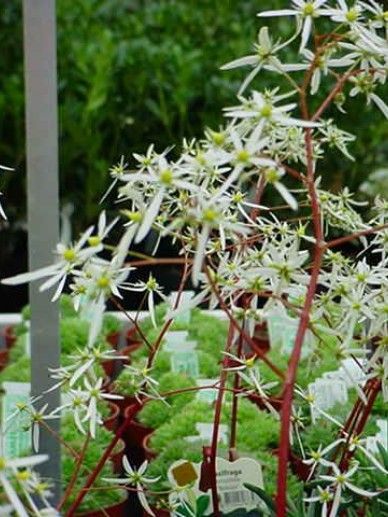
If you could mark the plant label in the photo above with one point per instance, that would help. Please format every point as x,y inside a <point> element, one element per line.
<point>177,340</point>
<point>231,476</point>
<point>205,433</point>
<point>207,395</point>
<point>183,317</point>
<point>282,332</point>
<point>185,362</point>
<point>17,438</point>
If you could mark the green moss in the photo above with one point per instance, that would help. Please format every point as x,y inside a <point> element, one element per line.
<point>182,425</point>
<point>157,412</point>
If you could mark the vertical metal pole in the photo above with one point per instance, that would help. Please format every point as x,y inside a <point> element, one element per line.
<point>43,214</point>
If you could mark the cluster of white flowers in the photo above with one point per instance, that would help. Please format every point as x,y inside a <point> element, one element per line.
<point>213,202</point>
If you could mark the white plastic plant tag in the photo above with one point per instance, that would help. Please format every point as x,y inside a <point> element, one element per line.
<point>352,371</point>
<point>177,340</point>
<point>207,395</point>
<point>321,392</point>
<point>282,332</point>
<point>17,439</point>
<point>231,476</point>
<point>183,317</point>
<point>185,362</point>
<point>205,433</point>
<point>382,435</point>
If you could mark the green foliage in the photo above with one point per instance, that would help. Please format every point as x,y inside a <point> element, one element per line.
<point>156,412</point>
<point>132,72</point>
<point>257,430</point>
<point>20,371</point>
<point>182,425</point>
<point>110,325</point>
<point>73,334</point>
<point>210,332</point>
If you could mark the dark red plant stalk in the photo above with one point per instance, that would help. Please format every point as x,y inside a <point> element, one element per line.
<point>75,473</point>
<point>216,424</point>
<point>93,475</point>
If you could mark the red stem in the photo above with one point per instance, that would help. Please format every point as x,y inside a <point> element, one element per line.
<point>93,475</point>
<point>216,425</point>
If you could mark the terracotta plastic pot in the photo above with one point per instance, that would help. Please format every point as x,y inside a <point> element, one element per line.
<point>117,457</point>
<point>299,468</point>
<point>112,421</point>
<point>113,339</point>
<point>149,453</point>
<point>9,336</point>
<point>117,510</point>
<point>123,403</point>
<point>112,367</point>
<point>4,358</point>
<point>131,336</point>
<point>260,339</point>
<point>135,432</point>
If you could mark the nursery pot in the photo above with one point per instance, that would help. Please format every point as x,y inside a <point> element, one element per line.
<point>112,421</point>
<point>117,457</point>
<point>113,339</point>
<point>135,432</point>
<point>112,367</point>
<point>299,468</point>
<point>149,453</point>
<point>132,338</point>
<point>9,336</point>
<point>122,403</point>
<point>260,339</point>
<point>4,357</point>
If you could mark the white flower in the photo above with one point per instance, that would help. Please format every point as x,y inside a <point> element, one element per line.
<point>69,258</point>
<point>137,479</point>
<point>95,394</point>
<point>164,177</point>
<point>317,457</point>
<point>264,58</point>
<point>324,497</point>
<point>340,482</point>
<point>151,287</point>
<point>8,467</point>
<point>263,109</point>
<point>344,14</point>
<point>36,418</point>
<point>305,11</point>
<point>116,172</point>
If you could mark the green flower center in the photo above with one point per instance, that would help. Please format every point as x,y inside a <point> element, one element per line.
<point>352,15</point>
<point>266,111</point>
<point>103,282</point>
<point>166,176</point>
<point>308,9</point>
<point>69,255</point>
<point>209,215</point>
<point>151,284</point>
<point>94,240</point>
<point>243,156</point>
<point>271,175</point>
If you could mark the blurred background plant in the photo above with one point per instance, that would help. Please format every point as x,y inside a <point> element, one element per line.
<point>132,72</point>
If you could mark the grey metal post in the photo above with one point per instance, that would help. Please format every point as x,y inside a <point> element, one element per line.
<point>43,214</point>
